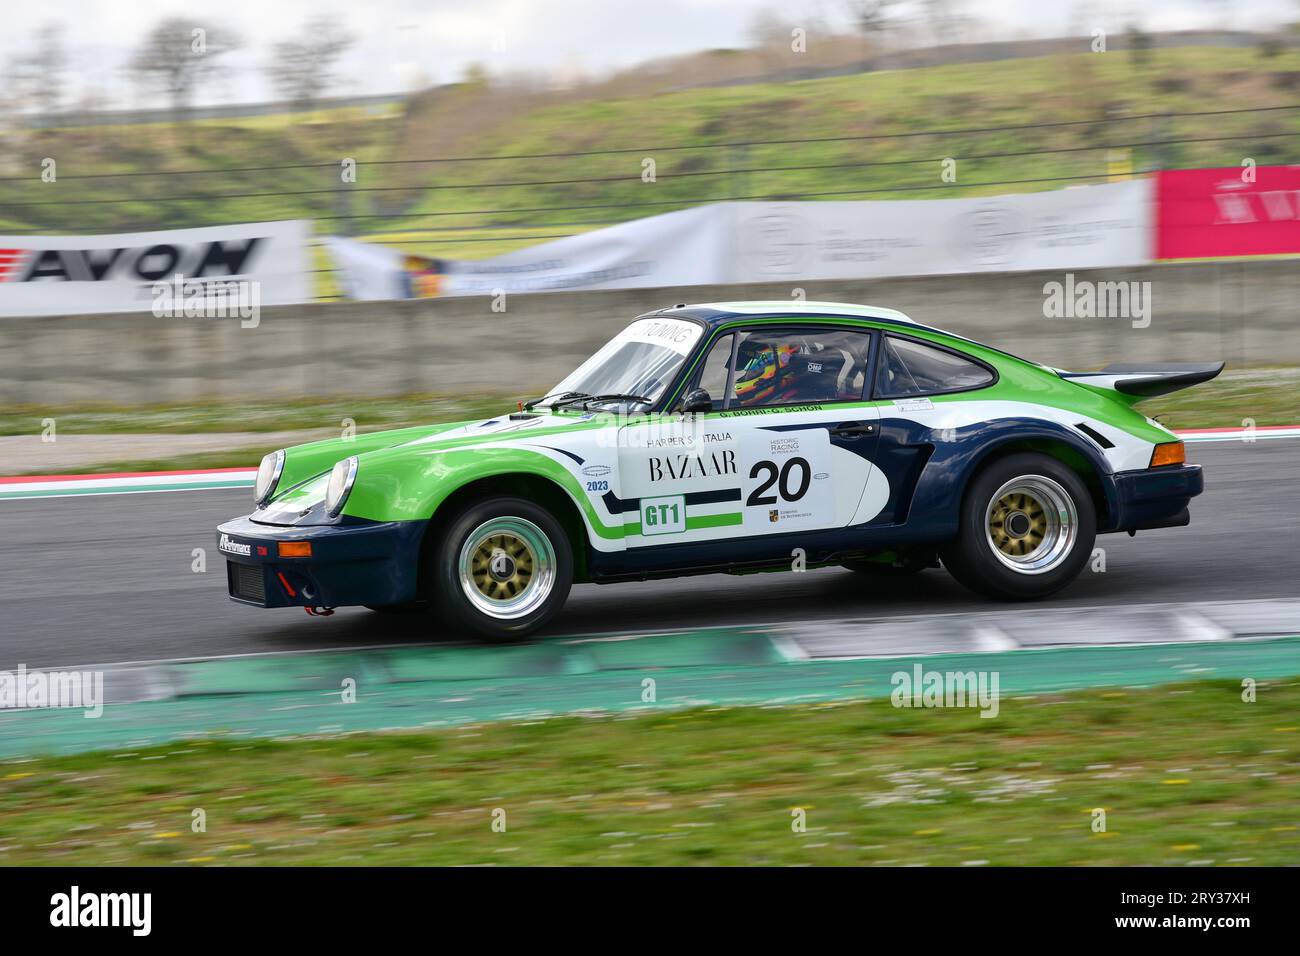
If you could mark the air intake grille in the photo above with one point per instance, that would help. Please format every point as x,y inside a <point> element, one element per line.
<point>247,582</point>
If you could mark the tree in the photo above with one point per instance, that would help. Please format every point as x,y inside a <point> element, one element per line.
<point>178,55</point>
<point>1139,45</point>
<point>303,68</point>
<point>36,78</point>
<point>944,20</point>
<point>872,19</point>
<point>767,30</point>
<point>771,37</point>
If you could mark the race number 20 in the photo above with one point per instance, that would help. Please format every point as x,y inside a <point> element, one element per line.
<point>786,481</point>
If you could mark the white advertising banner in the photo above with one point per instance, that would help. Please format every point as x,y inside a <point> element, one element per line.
<point>66,275</point>
<point>689,247</point>
<point>749,242</point>
<point>1081,228</point>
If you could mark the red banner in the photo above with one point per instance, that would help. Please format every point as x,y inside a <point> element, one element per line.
<point>1238,211</point>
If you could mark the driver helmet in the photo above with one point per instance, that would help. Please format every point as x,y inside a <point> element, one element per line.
<point>763,370</point>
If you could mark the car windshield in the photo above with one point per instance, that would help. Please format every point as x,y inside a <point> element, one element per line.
<point>642,360</point>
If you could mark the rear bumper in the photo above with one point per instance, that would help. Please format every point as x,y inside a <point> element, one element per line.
<point>370,563</point>
<point>1153,498</point>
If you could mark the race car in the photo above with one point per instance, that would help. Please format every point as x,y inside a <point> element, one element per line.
<point>725,437</point>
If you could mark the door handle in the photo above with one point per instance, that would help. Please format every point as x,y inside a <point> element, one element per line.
<point>853,429</point>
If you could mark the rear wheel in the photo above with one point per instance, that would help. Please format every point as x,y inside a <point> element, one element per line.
<point>502,568</point>
<point>1028,525</point>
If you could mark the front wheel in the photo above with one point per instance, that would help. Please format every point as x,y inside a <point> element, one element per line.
<point>1028,525</point>
<point>502,568</point>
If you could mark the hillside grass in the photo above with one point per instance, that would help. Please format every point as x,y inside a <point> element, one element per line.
<point>476,218</point>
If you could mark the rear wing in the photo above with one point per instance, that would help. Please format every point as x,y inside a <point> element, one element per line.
<point>1138,381</point>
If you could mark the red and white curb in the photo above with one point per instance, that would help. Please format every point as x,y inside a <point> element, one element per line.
<point>125,483</point>
<point>1254,433</point>
<point>142,482</point>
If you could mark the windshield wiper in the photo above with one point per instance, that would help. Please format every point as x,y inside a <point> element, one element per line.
<point>554,396</point>
<point>589,400</point>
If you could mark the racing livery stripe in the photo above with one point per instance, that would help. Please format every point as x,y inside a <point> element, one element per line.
<point>617,505</point>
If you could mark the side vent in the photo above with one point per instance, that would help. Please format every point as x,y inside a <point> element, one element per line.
<point>1095,435</point>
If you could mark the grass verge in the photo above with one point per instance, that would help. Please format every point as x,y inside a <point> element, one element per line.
<point>266,415</point>
<point>1266,396</point>
<point>878,785</point>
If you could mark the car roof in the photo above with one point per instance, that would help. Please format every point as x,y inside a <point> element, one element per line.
<point>715,313</point>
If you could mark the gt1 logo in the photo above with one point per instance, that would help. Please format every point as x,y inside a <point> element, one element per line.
<point>663,515</point>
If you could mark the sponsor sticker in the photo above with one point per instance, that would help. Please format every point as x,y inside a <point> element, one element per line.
<point>665,515</point>
<point>913,404</point>
<point>231,546</point>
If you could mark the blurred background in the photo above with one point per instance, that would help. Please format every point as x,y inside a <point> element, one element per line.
<point>776,150</point>
<point>482,132</point>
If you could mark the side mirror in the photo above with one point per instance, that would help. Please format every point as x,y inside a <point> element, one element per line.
<point>696,400</point>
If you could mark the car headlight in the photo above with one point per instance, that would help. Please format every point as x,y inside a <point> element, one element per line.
<point>268,476</point>
<point>341,480</point>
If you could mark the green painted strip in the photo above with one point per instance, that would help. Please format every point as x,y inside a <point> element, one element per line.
<point>294,695</point>
<point>714,521</point>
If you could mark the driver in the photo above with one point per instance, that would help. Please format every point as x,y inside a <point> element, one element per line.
<point>765,373</point>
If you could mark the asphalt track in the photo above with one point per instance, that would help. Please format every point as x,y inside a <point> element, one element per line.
<point>108,579</point>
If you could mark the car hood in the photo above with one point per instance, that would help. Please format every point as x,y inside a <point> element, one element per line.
<point>301,500</point>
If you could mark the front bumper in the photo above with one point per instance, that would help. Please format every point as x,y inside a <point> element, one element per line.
<point>1153,498</point>
<point>373,563</point>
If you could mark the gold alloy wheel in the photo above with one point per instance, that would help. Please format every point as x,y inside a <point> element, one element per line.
<point>501,566</point>
<point>1031,524</point>
<point>1018,523</point>
<point>507,567</point>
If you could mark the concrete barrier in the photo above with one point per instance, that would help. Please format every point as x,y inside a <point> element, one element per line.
<point>1242,312</point>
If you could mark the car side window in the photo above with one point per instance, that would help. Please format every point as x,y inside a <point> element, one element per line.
<point>907,368</point>
<point>799,367</point>
<point>713,373</point>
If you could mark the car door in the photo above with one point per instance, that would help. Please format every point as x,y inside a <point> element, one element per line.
<point>787,446</point>
<point>916,432</point>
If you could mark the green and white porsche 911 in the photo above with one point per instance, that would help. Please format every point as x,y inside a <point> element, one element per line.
<point>727,437</point>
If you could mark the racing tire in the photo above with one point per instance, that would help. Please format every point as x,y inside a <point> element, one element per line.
<point>1027,528</point>
<point>502,568</point>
